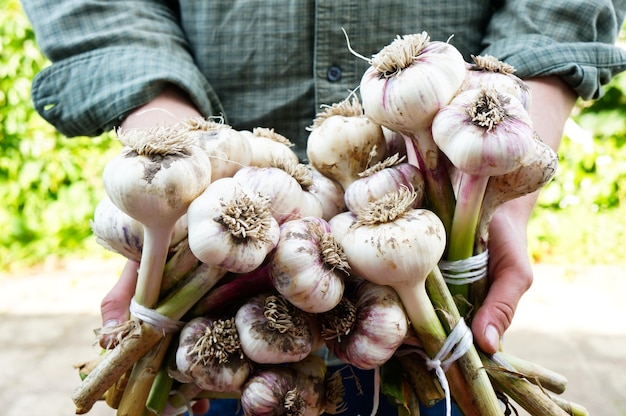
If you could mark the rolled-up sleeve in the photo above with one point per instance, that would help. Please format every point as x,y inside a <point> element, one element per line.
<point>109,57</point>
<point>574,39</point>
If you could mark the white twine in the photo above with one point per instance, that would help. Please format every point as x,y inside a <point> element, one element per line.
<point>460,272</point>
<point>458,342</point>
<point>152,317</point>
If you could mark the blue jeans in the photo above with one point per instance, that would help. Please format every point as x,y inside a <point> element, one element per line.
<point>359,402</point>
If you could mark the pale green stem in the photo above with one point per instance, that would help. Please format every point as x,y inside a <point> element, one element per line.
<point>468,381</point>
<point>156,244</point>
<point>484,396</point>
<point>469,200</point>
<point>121,359</point>
<point>423,317</point>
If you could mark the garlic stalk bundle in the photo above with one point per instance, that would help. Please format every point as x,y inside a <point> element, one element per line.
<point>228,149</point>
<point>379,326</point>
<point>231,227</point>
<point>343,142</point>
<point>287,199</point>
<point>484,133</point>
<point>308,267</point>
<point>153,180</point>
<point>209,355</point>
<point>394,244</point>
<point>407,83</point>
<point>267,146</point>
<point>273,331</point>
<point>118,232</point>
<point>489,72</point>
<point>382,178</point>
<point>286,390</point>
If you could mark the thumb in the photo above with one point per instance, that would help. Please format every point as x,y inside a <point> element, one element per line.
<point>495,315</point>
<point>115,304</point>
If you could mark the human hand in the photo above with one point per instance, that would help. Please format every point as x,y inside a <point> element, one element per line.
<point>510,272</point>
<point>510,275</point>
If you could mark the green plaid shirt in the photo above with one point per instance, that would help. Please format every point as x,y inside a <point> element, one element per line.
<point>271,63</point>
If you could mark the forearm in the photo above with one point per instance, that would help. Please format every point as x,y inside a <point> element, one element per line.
<point>169,107</point>
<point>552,102</point>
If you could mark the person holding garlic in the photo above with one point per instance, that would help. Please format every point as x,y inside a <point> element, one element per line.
<point>273,64</point>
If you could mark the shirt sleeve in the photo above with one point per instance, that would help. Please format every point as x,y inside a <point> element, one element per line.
<point>574,39</point>
<point>109,57</point>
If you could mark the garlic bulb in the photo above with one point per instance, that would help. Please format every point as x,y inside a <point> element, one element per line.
<point>209,355</point>
<point>153,180</point>
<point>273,331</point>
<point>287,198</point>
<point>267,146</point>
<point>286,390</point>
<point>382,178</point>
<point>231,227</point>
<point>329,192</point>
<point>409,80</point>
<point>489,72</point>
<point>308,266</point>
<point>379,326</point>
<point>228,150</point>
<point>343,142</point>
<point>484,132</point>
<point>118,232</point>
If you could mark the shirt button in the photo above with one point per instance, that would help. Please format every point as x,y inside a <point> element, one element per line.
<point>333,74</point>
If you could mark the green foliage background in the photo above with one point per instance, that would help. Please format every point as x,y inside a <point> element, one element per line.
<point>49,184</point>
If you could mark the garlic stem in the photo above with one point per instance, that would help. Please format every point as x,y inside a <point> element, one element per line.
<point>466,215</point>
<point>153,259</point>
<point>433,164</point>
<point>143,338</point>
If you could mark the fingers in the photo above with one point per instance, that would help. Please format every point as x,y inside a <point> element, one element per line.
<point>494,317</point>
<point>510,274</point>
<point>114,306</point>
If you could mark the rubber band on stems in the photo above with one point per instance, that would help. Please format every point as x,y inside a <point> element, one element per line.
<point>458,342</point>
<point>461,272</point>
<point>152,317</point>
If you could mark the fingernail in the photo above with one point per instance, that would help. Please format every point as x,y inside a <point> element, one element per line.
<point>493,337</point>
<point>110,323</point>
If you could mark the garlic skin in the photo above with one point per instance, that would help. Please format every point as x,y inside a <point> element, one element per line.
<point>231,227</point>
<point>409,80</point>
<point>329,192</point>
<point>272,331</point>
<point>209,355</point>
<point>343,142</point>
<point>228,150</point>
<point>118,232</point>
<point>494,145</point>
<point>275,391</point>
<point>308,267</point>
<point>267,146</point>
<point>489,72</point>
<point>155,186</point>
<point>287,198</point>
<point>380,327</point>
<point>381,179</point>
<point>393,251</point>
